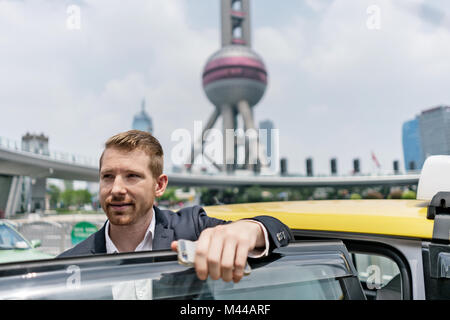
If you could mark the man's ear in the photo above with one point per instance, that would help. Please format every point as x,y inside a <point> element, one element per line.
<point>161,185</point>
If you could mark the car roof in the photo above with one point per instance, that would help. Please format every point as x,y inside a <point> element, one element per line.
<point>6,222</point>
<point>403,218</point>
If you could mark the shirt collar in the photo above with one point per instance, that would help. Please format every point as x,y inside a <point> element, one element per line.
<point>145,244</point>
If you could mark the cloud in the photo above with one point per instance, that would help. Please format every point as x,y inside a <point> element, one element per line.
<point>336,88</point>
<point>81,86</point>
<point>318,5</point>
<point>370,80</point>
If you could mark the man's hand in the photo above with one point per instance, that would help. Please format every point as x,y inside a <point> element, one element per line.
<point>222,251</point>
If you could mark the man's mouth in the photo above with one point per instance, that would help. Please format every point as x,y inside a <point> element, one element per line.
<point>120,206</point>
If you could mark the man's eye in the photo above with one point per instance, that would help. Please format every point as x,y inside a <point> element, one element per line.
<point>107,176</point>
<point>133,175</point>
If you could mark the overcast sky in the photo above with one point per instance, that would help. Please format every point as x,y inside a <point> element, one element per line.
<point>338,86</point>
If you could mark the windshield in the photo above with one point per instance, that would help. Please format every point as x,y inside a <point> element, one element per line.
<point>9,238</point>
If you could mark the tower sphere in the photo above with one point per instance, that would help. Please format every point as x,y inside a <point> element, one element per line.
<point>234,73</point>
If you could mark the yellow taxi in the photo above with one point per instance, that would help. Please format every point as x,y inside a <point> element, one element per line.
<point>400,248</point>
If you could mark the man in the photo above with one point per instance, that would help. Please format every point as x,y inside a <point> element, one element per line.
<point>131,177</point>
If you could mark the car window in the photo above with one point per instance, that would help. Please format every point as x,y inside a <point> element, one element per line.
<point>300,272</point>
<point>295,282</point>
<point>9,238</point>
<point>379,276</point>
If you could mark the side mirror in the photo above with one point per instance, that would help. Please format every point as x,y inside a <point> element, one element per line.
<point>36,243</point>
<point>21,245</point>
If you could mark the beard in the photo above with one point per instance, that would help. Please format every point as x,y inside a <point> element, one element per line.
<point>120,217</point>
<point>128,214</point>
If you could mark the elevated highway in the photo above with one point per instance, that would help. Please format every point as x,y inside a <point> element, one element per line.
<point>21,163</point>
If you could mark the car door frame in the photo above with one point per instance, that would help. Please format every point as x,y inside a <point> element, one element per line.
<point>30,271</point>
<point>408,249</point>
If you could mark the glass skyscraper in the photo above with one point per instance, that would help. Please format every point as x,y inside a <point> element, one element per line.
<point>412,146</point>
<point>435,131</point>
<point>428,134</point>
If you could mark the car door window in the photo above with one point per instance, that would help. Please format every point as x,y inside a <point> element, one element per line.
<point>379,276</point>
<point>316,270</point>
<point>285,281</point>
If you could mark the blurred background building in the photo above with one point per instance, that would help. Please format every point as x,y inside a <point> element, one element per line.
<point>142,121</point>
<point>412,145</point>
<point>426,135</point>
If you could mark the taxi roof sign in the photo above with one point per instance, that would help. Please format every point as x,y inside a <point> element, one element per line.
<point>434,178</point>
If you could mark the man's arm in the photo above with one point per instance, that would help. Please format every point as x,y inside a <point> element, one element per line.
<point>223,247</point>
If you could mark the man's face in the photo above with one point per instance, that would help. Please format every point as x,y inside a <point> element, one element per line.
<point>127,187</point>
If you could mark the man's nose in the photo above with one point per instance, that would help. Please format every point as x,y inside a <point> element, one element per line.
<point>118,187</point>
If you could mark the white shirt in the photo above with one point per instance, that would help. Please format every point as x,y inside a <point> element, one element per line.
<point>142,289</point>
<point>134,289</point>
<point>145,245</point>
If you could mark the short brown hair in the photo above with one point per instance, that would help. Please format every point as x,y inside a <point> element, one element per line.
<point>136,139</point>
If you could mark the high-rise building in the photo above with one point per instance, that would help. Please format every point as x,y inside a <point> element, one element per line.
<point>412,145</point>
<point>435,131</point>
<point>142,120</point>
<point>426,135</point>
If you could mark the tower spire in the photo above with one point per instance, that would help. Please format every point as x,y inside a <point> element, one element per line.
<point>236,22</point>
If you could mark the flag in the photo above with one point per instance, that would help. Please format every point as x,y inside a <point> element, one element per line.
<point>375,160</point>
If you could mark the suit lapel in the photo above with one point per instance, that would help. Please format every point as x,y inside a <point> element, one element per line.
<point>163,235</point>
<point>99,241</point>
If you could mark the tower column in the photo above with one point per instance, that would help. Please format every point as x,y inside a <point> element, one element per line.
<point>14,196</point>
<point>228,137</point>
<point>212,120</point>
<point>246,34</point>
<point>255,153</point>
<point>227,30</point>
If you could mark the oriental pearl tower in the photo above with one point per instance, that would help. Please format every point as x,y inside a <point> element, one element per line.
<point>234,80</point>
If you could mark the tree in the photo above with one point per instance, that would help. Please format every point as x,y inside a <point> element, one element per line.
<point>409,194</point>
<point>355,196</point>
<point>169,195</point>
<point>77,198</point>
<point>55,194</point>
<point>66,198</point>
<point>254,194</point>
<point>82,197</point>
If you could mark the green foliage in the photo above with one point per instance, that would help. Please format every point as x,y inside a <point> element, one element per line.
<point>169,195</point>
<point>409,194</point>
<point>355,196</point>
<point>75,197</point>
<point>253,194</point>
<point>260,194</point>
<point>208,196</point>
<point>54,193</point>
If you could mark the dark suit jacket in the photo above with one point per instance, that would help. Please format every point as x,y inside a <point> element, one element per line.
<point>187,224</point>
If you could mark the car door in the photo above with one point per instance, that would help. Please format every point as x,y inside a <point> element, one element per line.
<point>310,270</point>
<point>436,253</point>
